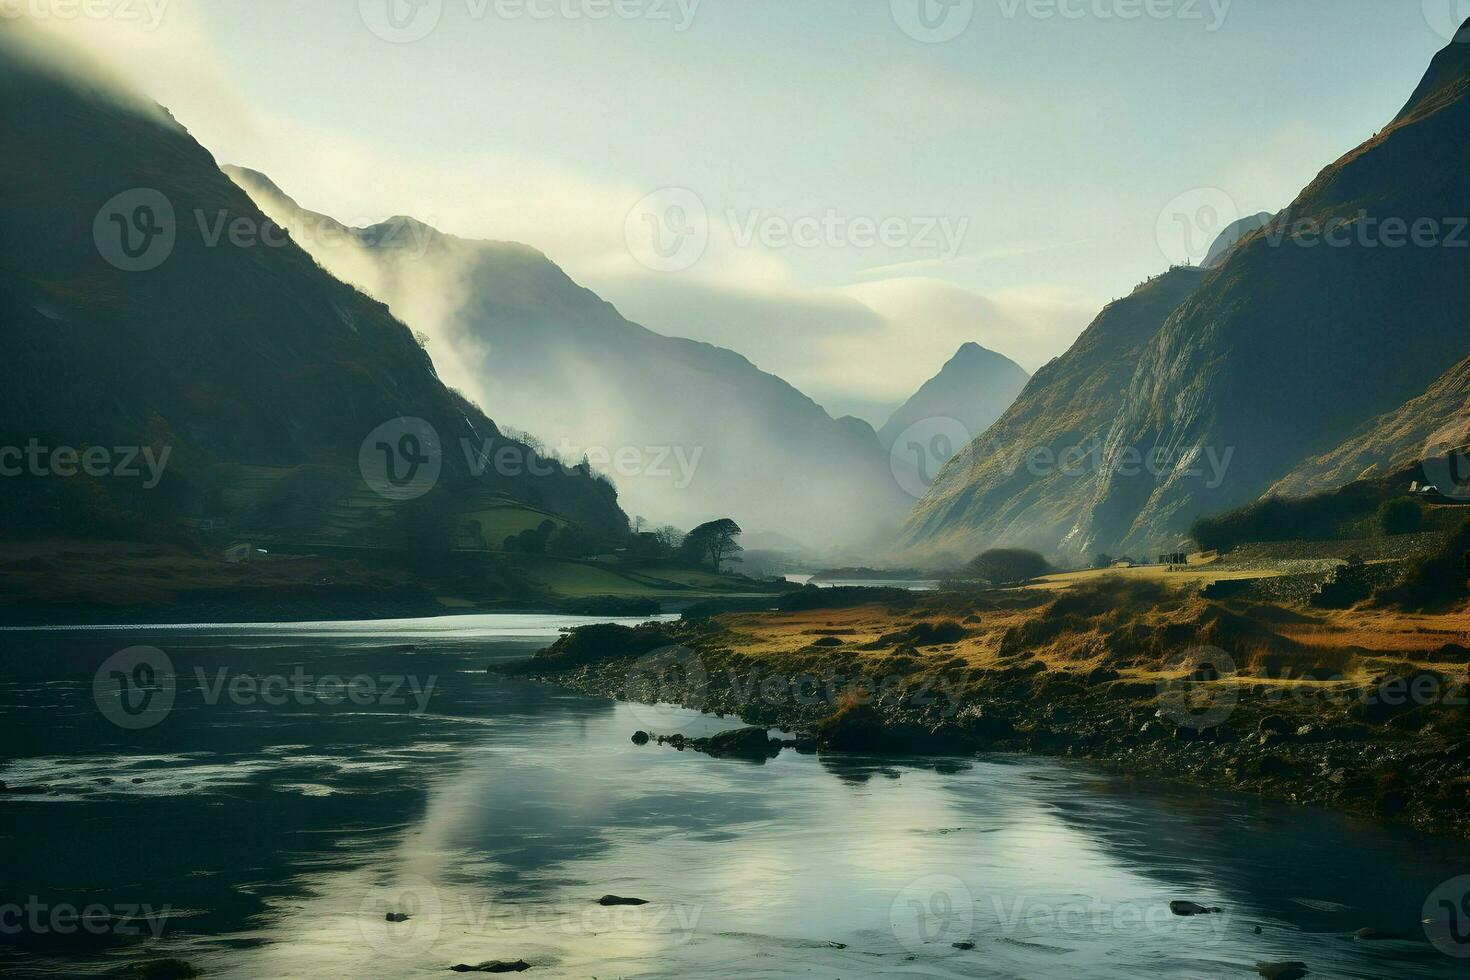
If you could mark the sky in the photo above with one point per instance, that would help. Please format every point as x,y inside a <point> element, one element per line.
<point>844,191</point>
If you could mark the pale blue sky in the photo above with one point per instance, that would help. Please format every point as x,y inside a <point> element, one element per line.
<point>1039,130</point>
<point>1057,141</point>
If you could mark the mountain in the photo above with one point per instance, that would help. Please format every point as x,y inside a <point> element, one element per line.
<point>1324,319</point>
<point>130,322</point>
<point>974,387</point>
<point>1231,236</point>
<point>1006,487</point>
<point>688,431</point>
<point>1422,428</point>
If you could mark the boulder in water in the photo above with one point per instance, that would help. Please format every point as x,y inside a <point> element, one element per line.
<point>1192,908</point>
<point>493,966</point>
<point>1288,970</point>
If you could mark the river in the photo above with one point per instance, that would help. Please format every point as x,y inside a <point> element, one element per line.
<point>256,799</point>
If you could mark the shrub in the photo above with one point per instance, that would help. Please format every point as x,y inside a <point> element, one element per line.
<point>1401,516</point>
<point>1437,579</point>
<point>1005,566</point>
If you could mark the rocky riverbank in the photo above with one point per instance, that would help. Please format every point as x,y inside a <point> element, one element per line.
<point>1158,683</point>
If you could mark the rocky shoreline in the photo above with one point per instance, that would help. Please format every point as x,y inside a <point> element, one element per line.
<point>1394,747</point>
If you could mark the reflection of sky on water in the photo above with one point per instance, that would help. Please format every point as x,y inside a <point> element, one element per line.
<point>500,815</point>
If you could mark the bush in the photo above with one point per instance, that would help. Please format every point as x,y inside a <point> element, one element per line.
<point>1401,516</point>
<point>1005,566</point>
<point>1438,579</point>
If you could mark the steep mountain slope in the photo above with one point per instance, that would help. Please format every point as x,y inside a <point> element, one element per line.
<point>1231,236</point>
<point>127,322</point>
<point>1422,428</point>
<point>1322,320</point>
<point>1335,313</point>
<point>974,387</point>
<point>689,431</point>
<point>1027,480</point>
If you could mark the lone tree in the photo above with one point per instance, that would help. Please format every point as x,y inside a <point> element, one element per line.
<point>1003,566</point>
<point>713,542</point>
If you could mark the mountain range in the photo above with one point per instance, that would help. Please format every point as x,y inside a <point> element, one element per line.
<point>705,432</point>
<point>130,325</point>
<point>1216,385</point>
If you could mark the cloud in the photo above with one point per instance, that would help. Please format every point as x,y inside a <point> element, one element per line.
<point>874,341</point>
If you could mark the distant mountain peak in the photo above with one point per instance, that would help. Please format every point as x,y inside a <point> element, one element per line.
<point>1231,236</point>
<point>974,387</point>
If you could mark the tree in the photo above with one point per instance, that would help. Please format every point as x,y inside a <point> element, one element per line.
<point>669,537</point>
<point>572,541</point>
<point>531,541</point>
<point>1004,566</point>
<point>713,541</point>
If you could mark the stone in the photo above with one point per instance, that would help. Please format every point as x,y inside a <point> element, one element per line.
<point>493,966</point>
<point>1191,908</point>
<point>744,742</point>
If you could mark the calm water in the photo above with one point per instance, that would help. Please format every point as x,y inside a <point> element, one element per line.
<point>912,584</point>
<point>259,829</point>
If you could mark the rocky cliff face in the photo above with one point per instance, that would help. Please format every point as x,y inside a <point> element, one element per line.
<point>1342,308</point>
<point>1028,480</point>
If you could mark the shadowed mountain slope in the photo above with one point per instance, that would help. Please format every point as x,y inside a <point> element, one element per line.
<point>129,322</point>
<point>1331,315</point>
<point>704,432</point>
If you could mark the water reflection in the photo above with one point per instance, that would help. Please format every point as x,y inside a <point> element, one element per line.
<point>282,836</point>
